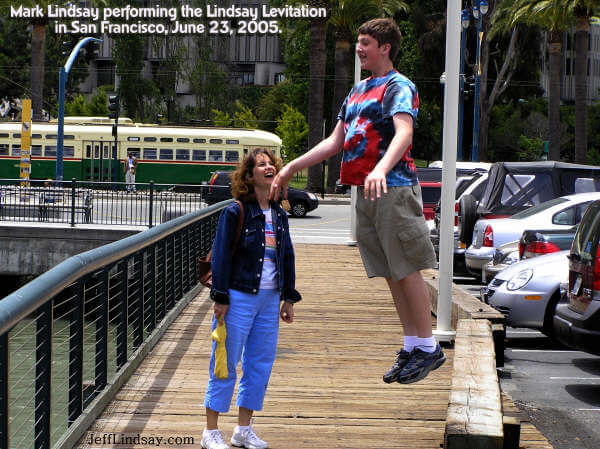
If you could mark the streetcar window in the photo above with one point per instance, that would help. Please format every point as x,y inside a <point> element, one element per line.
<point>134,151</point>
<point>16,150</point>
<point>51,136</point>
<point>36,136</point>
<point>68,151</point>
<point>198,155</point>
<point>69,137</point>
<point>149,153</point>
<point>88,151</point>
<point>182,155</point>
<point>166,139</point>
<point>183,139</point>
<point>105,152</point>
<point>4,135</point>
<point>232,142</point>
<point>215,156</point>
<point>50,150</point>
<point>36,150</point>
<point>217,141</point>
<point>232,156</point>
<point>16,136</point>
<point>199,140</point>
<point>133,139</point>
<point>165,154</point>
<point>3,149</point>
<point>149,139</point>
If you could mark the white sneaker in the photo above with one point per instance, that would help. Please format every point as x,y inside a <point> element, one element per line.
<point>212,439</point>
<point>247,438</point>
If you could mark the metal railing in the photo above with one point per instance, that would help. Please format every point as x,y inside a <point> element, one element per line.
<point>106,203</point>
<point>69,338</point>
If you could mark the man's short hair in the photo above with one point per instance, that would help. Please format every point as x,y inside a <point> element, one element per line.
<point>384,31</point>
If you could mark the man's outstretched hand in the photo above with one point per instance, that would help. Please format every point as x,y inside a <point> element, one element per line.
<point>280,184</point>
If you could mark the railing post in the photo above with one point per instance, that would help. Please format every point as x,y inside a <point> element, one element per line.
<point>43,376</point>
<point>4,398</point>
<point>151,204</point>
<point>152,292</point>
<point>122,322</point>
<point>73,202</point>
<point>102,333</point>
<point>171,274</point>
<point>138,317</point>
<point>76,355</point>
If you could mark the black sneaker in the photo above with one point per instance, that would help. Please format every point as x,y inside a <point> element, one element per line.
<point>393,374</point>
<point>420,364</point>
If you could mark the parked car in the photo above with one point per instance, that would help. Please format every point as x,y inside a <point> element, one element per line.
<point>474,187</point>
<point>577,322</point>
<point>504,256</point>
<point>533,243</point>
<point>430,193</point>
<point>559,213</point>
<point>536,242</point>
<point>528,292</point>
<point>219,189</point>
<point>516,186</point>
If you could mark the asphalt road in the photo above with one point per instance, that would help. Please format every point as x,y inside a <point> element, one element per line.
<point>558,388</point>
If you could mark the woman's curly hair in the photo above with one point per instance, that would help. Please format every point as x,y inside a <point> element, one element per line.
<point>242,185</point>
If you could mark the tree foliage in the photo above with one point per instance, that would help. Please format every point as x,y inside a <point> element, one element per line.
<point>292,128</point>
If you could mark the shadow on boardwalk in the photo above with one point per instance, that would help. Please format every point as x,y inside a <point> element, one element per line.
<point>326,389</point>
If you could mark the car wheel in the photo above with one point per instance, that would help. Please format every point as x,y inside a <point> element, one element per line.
<point>467,217</point>
<point>298,209</point>
<point>548,328</point>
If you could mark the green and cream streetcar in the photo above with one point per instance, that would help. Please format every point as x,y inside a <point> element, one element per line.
<point>166,154</point>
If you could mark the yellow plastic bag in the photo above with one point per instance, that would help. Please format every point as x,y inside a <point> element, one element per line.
<point>219,335</point>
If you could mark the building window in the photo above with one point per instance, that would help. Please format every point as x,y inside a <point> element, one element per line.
<point>106,73</point>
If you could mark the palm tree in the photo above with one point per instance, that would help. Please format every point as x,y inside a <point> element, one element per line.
<point>555,17</point>
<point>316,63</point>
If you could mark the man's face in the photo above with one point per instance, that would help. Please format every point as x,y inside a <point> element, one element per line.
<point>370,53</point>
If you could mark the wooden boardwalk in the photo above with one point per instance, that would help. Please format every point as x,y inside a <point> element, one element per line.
<point>326,389</point>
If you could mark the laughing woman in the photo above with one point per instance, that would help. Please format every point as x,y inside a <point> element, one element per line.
<point>248,287</point>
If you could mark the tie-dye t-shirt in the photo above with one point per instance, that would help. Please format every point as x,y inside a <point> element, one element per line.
<point>268,278</point>
<point>367,114</point>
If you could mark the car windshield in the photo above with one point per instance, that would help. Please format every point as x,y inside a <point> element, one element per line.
<point>539,208</point>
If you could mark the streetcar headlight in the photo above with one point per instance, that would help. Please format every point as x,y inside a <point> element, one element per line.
<point>520,280</point>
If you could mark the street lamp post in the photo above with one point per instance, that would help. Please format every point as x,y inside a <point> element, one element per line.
<point>62,82</point>
<point>480,8</point>
<point>463,42</point>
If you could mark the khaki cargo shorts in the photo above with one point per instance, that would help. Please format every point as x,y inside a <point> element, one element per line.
<point>393,237</point>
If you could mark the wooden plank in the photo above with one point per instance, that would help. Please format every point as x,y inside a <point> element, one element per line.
<point>325,390</point>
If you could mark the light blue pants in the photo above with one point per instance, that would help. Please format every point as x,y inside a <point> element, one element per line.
<point>252,323</point>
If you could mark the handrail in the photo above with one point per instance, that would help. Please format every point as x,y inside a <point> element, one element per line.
<point>28,298</point>
<point>90,320</point>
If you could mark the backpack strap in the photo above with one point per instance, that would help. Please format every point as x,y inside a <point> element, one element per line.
<point>238,232</point>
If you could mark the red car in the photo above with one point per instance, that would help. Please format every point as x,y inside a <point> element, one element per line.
<point>430,191</point>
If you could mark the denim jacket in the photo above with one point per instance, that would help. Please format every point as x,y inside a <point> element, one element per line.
<point>242,270</point>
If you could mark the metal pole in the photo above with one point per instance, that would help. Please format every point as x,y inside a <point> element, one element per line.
<point>354,189</point>
<point>62,82</point>
<point>463,43</point>
<point>444,330</point>
<point>475,152</point>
